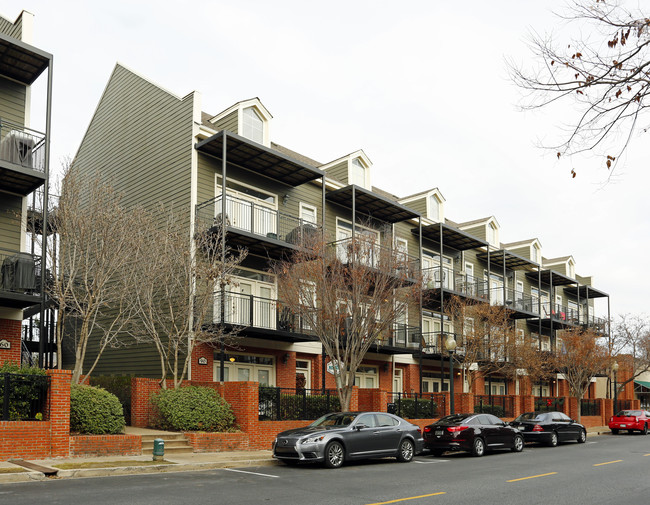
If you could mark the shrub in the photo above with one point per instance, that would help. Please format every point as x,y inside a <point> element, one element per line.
<point>27,391</point>
<point>495,410</point>
<point>95,411</point>
<point>414,408</point>
<point>193,408</point>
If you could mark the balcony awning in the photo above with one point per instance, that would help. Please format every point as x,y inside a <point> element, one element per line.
<point>643,385</point>
<point>259,159</point>
<point>550,277</point>
<point>511,260</point>
<point>20,61</point>
<point>450,236</point>
<point>371,204</point>
<point>585,292</point>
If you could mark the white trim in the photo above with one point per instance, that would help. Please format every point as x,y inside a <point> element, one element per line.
<point>304,205</point>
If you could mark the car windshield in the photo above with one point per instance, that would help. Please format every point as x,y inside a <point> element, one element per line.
<point>629,413</point>
<point>453,419</point>
<point>530,416</point>
<point>334,420</point>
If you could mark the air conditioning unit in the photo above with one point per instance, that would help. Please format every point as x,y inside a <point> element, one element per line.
<point>17,148</point>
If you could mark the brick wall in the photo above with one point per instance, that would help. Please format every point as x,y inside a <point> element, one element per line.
<point>105,445</point>
<point>218,442</point>
<point>203,372</point>
<point>10,331</point>
<point>24,439</point>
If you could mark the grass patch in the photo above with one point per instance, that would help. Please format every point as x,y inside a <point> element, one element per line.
<point>109,464</point>
<point>12,470</point>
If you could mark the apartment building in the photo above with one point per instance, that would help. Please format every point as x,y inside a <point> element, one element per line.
<point>24,170</point>
<point>159,147</point>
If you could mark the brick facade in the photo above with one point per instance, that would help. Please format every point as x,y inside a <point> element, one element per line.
<point>105,445</point>
<point>10,331</point>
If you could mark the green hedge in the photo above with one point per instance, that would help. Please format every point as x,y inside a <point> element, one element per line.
<point>95,411</point>
<point>193,408</point>
<point>495,410</point>
<point>120,386</point>
<point>27,391</point>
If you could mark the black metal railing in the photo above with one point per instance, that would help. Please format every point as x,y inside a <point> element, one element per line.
<point>257,219</point>
<point>589,407</point>
<point>433,342</point>
<point>366,251</point>
<point>498,405</point>
<point>403,335</point>
<point>22,146</point>
<point>20,272</point>
<point>436,277</point>
<point>24,397</point>
<point>622,405</point>
<point>549,404</point>
<point>598,324</point>
<point>416,405</point>
<point>283,404</point>
<point>559,313</point>
<point>258,312</point>
<point>514,300</point>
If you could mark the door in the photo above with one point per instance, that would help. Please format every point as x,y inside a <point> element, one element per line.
<point>343,243</point>
<point>252,303</point>
<point>365,440</point>
<point>496,289</point>
<point>249,209</point>
<point>397,381</point>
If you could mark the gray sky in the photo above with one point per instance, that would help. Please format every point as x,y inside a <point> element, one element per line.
<point>420,86</point>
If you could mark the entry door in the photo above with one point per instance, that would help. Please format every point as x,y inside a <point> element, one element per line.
<point>397,381</point>
<point>253,297</point>
<point>496,289</point>
<point>343,241</point>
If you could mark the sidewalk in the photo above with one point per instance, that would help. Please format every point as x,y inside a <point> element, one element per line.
<point>176,462</point>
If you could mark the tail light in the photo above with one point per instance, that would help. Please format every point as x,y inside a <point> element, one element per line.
<point>427,429</point>
<point>537,427</point>
<point>454,429</point>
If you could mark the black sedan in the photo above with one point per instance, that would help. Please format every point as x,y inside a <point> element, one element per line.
<point>475,433</point>
<point>338,437</point>
<point>549,428</point>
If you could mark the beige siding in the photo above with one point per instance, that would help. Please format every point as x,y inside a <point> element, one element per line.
<point>9,28</point>
<point>419,206</point>
<point>139,139</point>
<point>477,231</point>
<point>10,212</point>
<point>339,172</point>
<point>12,103</point>
<point>228,123</point>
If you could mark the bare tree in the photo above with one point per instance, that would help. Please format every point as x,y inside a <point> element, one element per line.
<point>605,74</point>
<point>350,295</point>
<point>630,346</point>
<point>176,280</point>
<point>90,268</point>
<point>580,356</point>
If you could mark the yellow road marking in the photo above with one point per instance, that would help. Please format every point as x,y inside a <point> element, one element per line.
<point>532,477</point>
<point>646,454</point>
<point>404,499</point>
<point>608,462</point>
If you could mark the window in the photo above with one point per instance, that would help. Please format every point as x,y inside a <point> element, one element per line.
<point>308,213</point>
<point>434,208</point>
<point>253,127</point>
<point>357,173</point>
<point>366,377</point>
<point>492,234</point>
<point>572,270</point>
<point>535,256</point>
<point>246,367</point>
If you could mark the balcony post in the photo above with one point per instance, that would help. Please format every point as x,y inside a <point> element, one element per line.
<point>251,301</point>
<point>420,297</point>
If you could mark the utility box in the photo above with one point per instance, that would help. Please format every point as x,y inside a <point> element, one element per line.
<point>158,449</point>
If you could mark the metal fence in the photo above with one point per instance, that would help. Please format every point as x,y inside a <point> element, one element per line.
<point>549,404</point>
<point>498,405</point>
<point>23,397</point>
<point>416,405</point>
<point>622,405</point>
<point>283,404</point>
<point>589,407</point>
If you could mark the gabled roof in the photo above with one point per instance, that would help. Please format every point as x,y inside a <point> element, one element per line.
<point>557,261</point>
<point>255,101</point>
<point>520,243</point>
<point>356,154</point>
<point>483,220</point>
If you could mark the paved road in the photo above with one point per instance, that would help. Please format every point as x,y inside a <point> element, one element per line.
<point>606,470</point>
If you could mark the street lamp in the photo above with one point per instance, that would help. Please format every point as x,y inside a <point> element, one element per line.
<point>450,345</point>
<point>615,369</point>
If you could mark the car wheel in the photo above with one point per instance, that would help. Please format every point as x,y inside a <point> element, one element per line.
<point>644,431</point>
<point>552,442</point>
<point>478,449</point>
<point>518,444</point>
<point>582,438</point>
<point>406,451</point>
<point>437,452</point>
<point>614,431</point>
<point>334,455</point>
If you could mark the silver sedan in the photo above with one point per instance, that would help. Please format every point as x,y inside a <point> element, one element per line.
<point>341,436</point>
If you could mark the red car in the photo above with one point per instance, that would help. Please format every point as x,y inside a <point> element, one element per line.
<point>630,420</point>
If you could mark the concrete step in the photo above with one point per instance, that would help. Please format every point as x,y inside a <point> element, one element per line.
<point>170,450</point>
<point>164,436</point>
<point>168,444</point>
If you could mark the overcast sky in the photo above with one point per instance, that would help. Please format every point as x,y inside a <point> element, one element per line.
<point>420,86</point>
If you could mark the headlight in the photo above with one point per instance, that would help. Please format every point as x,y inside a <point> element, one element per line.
<point>312,440</point>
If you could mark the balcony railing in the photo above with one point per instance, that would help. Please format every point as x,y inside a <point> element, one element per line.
<point>403,335</point>
<point>22,146</point>
<point>514,300</point>
<point>365,251</point>
<point>433,342</point>
<point>598,324</point>
<point>257,219</point>
<point>255,311</point>
<point>453,280</point>
<point>20,272</point>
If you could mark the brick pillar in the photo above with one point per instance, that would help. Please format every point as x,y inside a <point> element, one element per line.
<point>243,397</point>
<point>10,333</point>
<point>607,409</point>
<point>141,408</point>
<point>571,407</point>
<point>527,404</point>
<point>464,402</point>
<point>354,399</point>
<point>202,363</point>
<point>58,407</point>
<point>604,419</point>
<point>285,373</point>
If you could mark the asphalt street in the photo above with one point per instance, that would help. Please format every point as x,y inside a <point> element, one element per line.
<point>606,470</point>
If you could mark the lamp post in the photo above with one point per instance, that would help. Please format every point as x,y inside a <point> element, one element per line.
<point>615,370</point>
<point>450,345</point>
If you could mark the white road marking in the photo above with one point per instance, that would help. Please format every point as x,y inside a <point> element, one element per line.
<point>592,442</point>
<point>432,462</point>
<point>251,473</point>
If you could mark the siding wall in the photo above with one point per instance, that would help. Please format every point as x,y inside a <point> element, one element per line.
<point>228,123</point>
<point>9,28</point>
<point>139,139</point>
<point>10,214</point>
<point>339,172</point>
<point>12,102</point>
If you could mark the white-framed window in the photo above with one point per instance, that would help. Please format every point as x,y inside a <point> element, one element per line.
<point>431,383</point>
<point>253,127</point>
<point>571,271</point>
<point>367,252</point>
<point>366,377</point>
<point>492,234</point>
<point>432,277</point>
<point>535,253</point>
<point>498,388</point>
<point>308,213</point>
<point>303,373</point>
<point>357,173</point>
<point>434,211</point>
<point>246,367</point>
<point>247,208</point>
<point>541,389</point>
<point>519,291</point>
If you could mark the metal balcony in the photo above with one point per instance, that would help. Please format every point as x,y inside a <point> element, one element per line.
<point>22,158</point>
<point>20,279</point>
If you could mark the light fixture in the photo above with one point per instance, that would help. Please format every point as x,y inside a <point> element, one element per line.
<point>232,360</point>
<point>615,367</point>
<point>385,367</point>
<point>285,359</point>
<point>285,199</point>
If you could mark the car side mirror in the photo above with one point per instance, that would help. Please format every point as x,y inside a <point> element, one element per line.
<point>360,427</point>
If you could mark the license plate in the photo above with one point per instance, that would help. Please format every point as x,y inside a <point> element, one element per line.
<point>623,426</point>
<point>439,433</point>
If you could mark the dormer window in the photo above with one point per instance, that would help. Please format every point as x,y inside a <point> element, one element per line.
<point>535,254</point>
<point>434,209</point>
<point>492,234</point>
<point>253,127</point>
<point>571,270</point>
<point>357,173</point>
